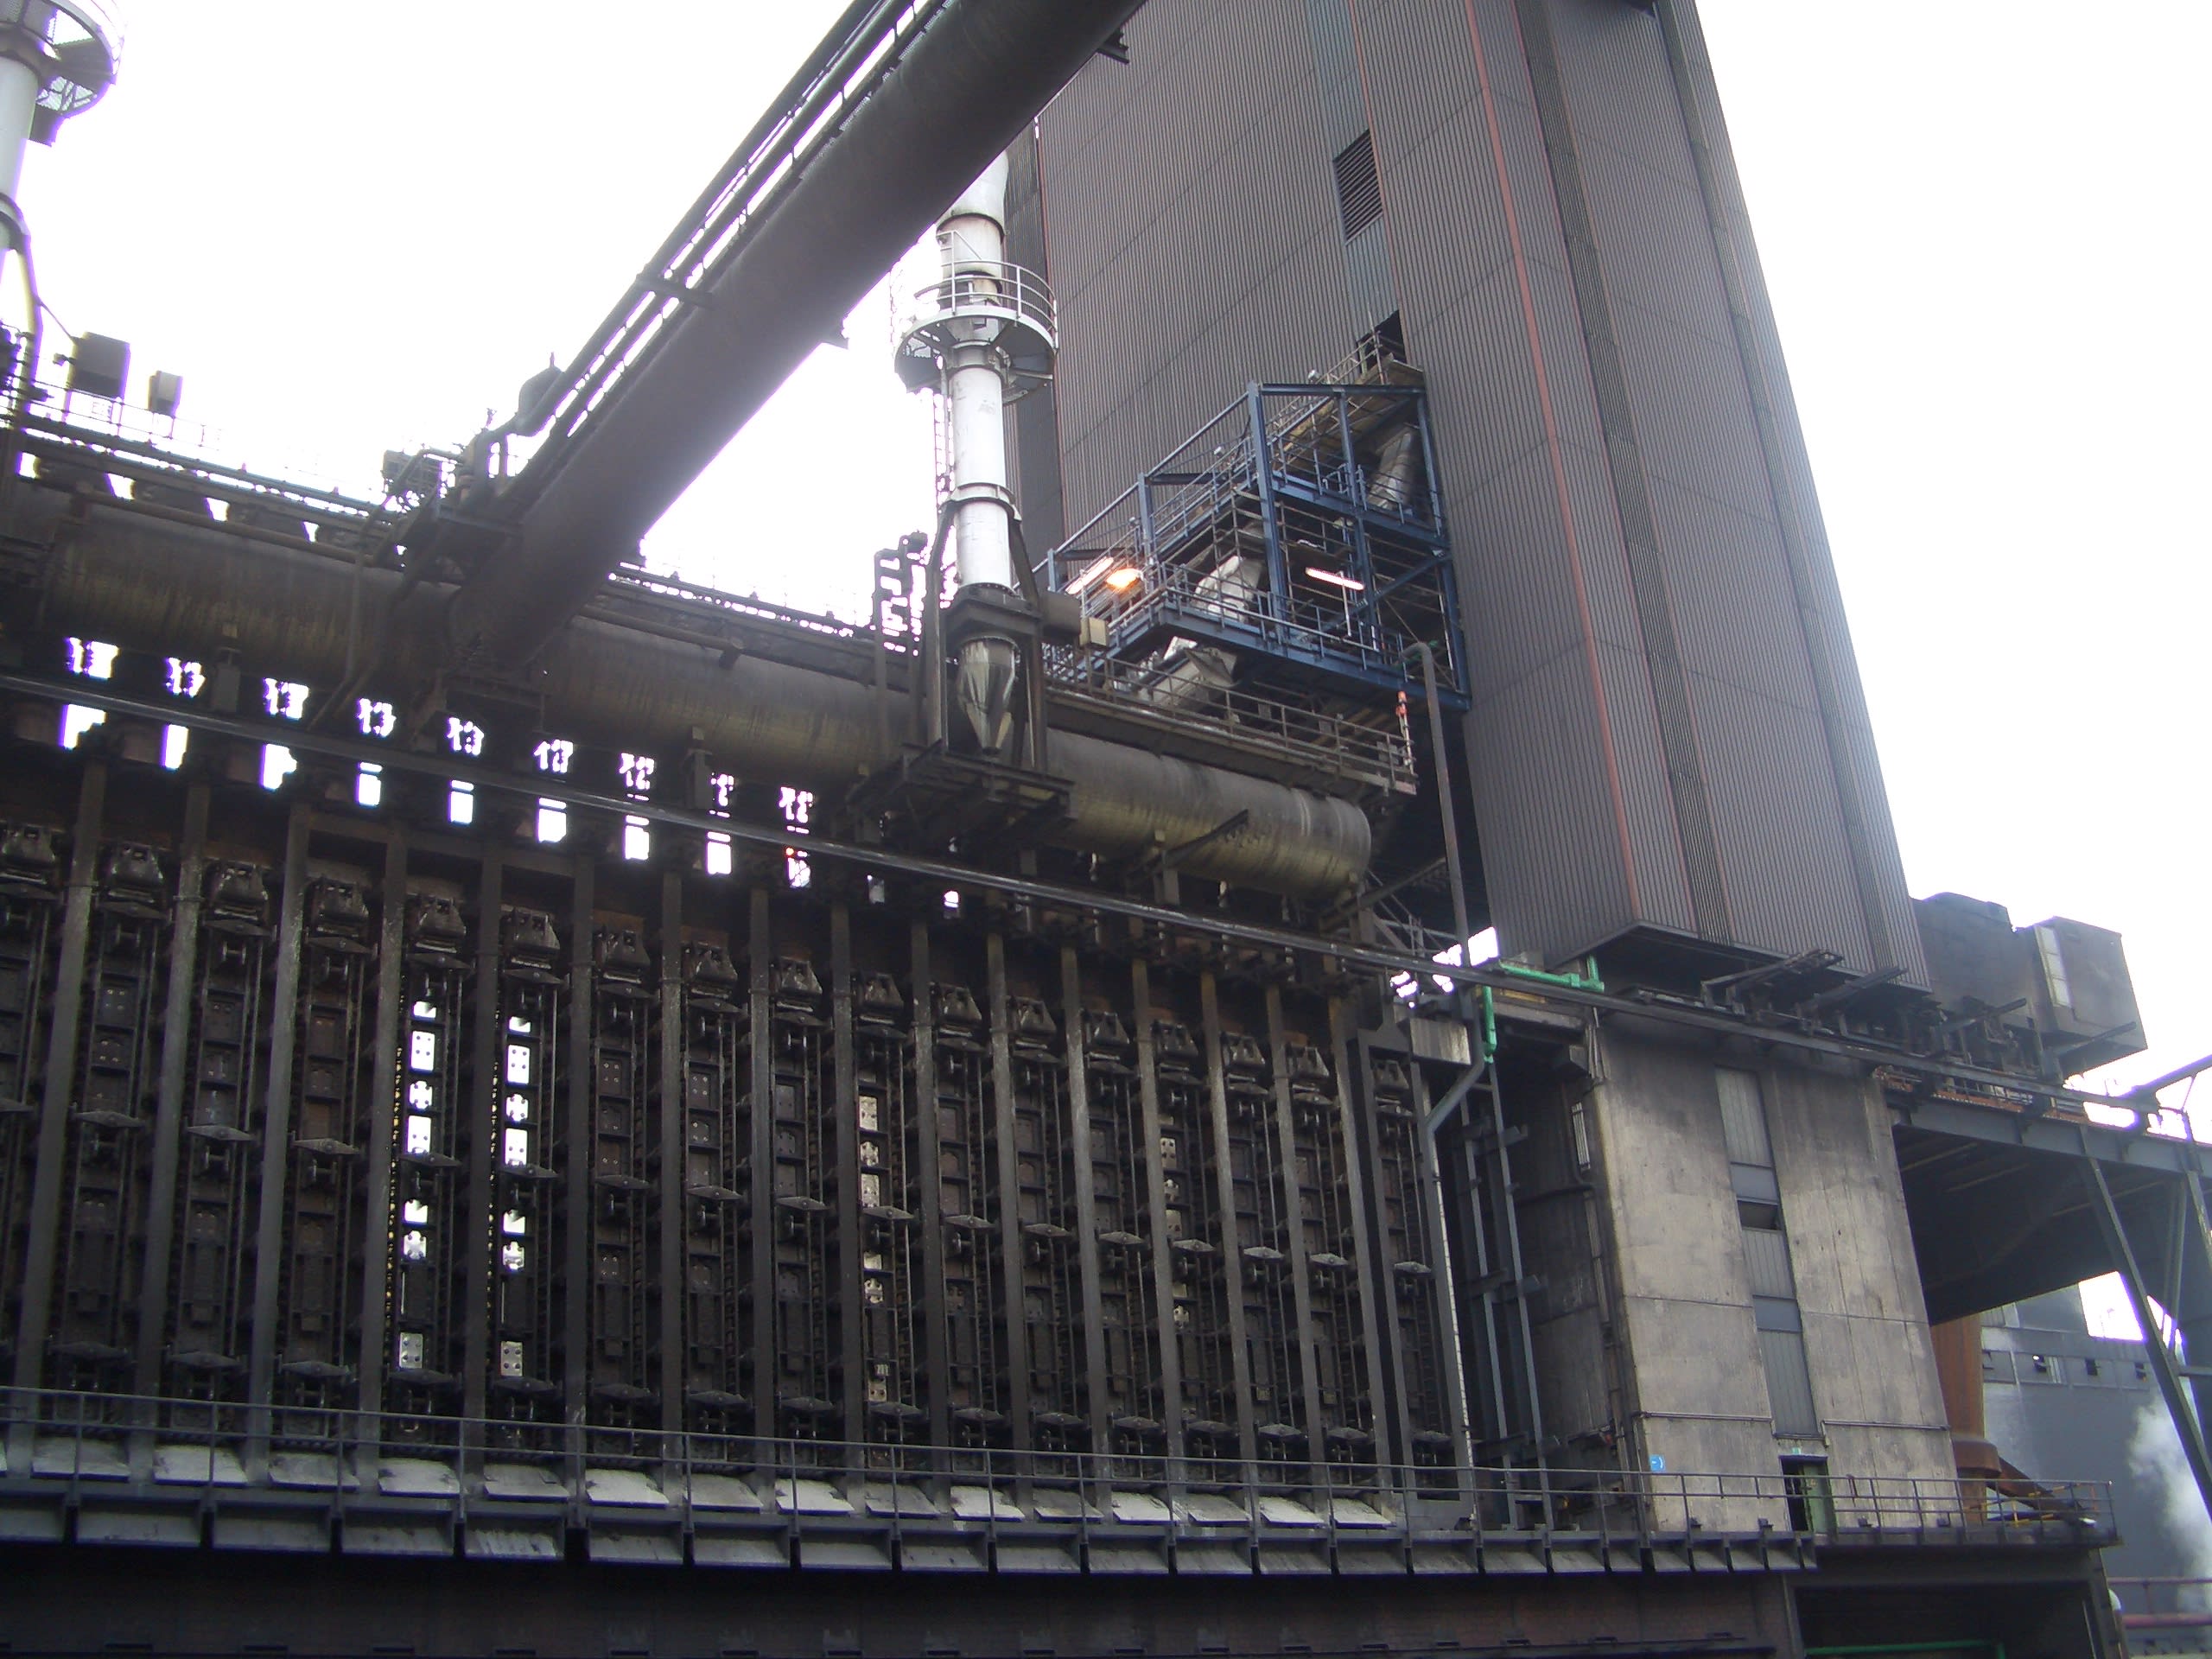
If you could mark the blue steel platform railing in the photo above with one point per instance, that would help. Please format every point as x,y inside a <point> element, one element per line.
<point>1272,530</point>
<point>106,1468</point>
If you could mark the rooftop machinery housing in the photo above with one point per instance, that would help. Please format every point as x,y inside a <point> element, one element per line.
<point>547,1109</point>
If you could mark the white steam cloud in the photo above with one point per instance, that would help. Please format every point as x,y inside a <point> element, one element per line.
<point>2155,1454</point>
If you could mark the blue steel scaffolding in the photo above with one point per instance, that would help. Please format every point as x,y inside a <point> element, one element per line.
<point>1296,541</point>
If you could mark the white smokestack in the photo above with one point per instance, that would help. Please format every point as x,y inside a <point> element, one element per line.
<point>983,336</point>
<point>971,240</point>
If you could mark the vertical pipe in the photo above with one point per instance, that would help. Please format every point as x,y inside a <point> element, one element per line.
<point>761,1200</point>
<point>168,1100</point>
<point>669,1106</point>
<point>579,1157</point>
<point>1173,1410</point>
<point>384,1094</point>
<point>277,1135</point>
<point>1441,765</point>
<point>1293,1203</point>
<point>476,1109</point>
<point>845,1108</point>
<point>1009,1193</point>
<point>1232,1256</point>
<point>59,1078</point>
<point>1086,1201</point>
<point>932,1186</point>
<point>1481,1265</point>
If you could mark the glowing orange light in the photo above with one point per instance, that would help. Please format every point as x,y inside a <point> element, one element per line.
<point>1121,579</point>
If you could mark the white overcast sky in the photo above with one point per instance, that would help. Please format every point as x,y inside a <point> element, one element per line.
<point>350,227</point>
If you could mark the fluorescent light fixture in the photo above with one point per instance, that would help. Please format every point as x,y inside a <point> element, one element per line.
<point>1335,579</point>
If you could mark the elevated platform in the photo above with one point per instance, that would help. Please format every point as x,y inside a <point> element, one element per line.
<point>103,1470</point>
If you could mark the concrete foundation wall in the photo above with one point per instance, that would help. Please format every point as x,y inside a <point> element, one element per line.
<point>1695,1383</point>
<point>1867,1339</point>
<point>1697,1396</point>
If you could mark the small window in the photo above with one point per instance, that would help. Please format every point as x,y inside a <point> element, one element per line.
<point>1359,190</point>
<point>2089,1368</point>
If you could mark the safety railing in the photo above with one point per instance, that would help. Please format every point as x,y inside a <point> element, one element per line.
<point>76,1446</point>
<point>1285,624</point>
<point>87,39</point>
<point>1310,743</point>
<point>1014,304</point>
<point>188,454</point>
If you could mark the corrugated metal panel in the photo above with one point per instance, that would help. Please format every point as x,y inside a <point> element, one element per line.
<point>1743,1118</point>
<point>1733,614</point>
<point>1767,1255</point>
<point>1368,276</point>
<point>1336,62</point>
<point>1552,833</point>
<point>1789,1382</point>
<point>1779,824</point>
<point>1032,426</point>
<point>1186,227</point>
<point>1878,886</point>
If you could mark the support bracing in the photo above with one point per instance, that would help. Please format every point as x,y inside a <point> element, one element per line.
<point>2181,1384</point>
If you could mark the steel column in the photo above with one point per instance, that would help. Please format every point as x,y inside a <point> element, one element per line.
<point>59,1080</point>
<point>675,1082</point>
<point>1232,1259</point>
<point>476,1111</point>
<point>577,1160</point>
<point>1173,1409</point>
<point>277,1134</point>
<point>1370,1270</point>
<point>1008,1196</point>
<point>384,1096</point>
<point>932,1188</point>
<point>844,1109</point>
<point>2179,1407</point>
<point>1086,1201</point>
<point>1285,1175</point>
<point>169,1109</point>
<point>762,1201</point>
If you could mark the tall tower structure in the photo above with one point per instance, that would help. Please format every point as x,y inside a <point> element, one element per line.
<point>1534,202</point>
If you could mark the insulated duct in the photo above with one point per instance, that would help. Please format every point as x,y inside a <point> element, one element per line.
<point>151,584</point>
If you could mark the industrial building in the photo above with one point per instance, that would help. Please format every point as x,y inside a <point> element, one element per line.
<point>545,1109</point>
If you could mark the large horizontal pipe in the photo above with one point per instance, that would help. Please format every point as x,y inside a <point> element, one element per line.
<point>975,76</point>
<point>153,584</point>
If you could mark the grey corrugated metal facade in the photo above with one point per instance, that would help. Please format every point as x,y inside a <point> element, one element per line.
<point>1668,734</point>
